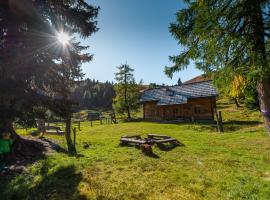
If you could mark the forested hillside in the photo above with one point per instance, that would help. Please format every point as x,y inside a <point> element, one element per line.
<point>91,94</point>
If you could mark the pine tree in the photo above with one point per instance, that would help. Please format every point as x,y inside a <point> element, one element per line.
<point>226,35</point>
<point>127,91</point>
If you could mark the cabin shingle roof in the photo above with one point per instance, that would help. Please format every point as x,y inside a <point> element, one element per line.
<point>179,94</point>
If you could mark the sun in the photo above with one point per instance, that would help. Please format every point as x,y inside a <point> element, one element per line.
<point>63,38</point>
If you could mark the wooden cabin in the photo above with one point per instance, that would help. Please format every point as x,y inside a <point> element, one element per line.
<point>191,102</point>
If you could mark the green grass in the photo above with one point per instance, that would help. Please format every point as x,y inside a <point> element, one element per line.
<point>233,165</point>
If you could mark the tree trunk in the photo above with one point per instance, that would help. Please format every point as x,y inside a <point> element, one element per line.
<point>125,96</point>
<point>264,99</point>
<point>128,112</point>
<point>8,126</point>
<point>71,147</point>
<point>261,61</point>
<point>22,148</point>
<point>236,103</point>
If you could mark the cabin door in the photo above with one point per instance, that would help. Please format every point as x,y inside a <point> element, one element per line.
<point>163,114</point>
<point>175,112</point>
<point>180,113</point>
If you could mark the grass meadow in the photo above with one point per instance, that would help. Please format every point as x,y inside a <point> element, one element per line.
<point>209,165</point>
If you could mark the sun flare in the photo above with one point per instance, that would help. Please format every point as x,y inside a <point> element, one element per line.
<point>63,38</point>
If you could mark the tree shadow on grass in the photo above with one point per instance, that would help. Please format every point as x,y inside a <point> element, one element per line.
<point>229,126</point>
<point>54,146</point>
<point>170,146</point>
<point>34,150</point>
<point>57,148</point>
<point>164,147</point>
<point>151,155</point>
<point>200,126</point>
<point>235,125</point>
<point>243,123</point>
<point>224,106</point>
<point>59,184</point>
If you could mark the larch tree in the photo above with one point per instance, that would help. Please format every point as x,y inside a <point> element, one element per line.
<point>127,91</point>
<point>237,89</point>
<point>230,35</point>
<point>30,54</point>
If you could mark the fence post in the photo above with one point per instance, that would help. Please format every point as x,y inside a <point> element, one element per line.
<point>219,121</point>
<point>74,134</point>
<point>79,125</point>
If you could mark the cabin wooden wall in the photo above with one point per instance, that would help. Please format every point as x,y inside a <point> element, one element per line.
<point>195,109</point>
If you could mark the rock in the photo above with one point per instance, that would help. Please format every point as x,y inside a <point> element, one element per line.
<point>86,146</point>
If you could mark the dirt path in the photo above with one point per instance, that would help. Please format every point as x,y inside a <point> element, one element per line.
<point>18,163</point>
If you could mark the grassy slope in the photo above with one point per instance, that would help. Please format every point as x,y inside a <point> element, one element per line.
<point>234,165</point>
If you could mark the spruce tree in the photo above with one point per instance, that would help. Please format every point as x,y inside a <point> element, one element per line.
<point>31,56</point>
<point>179,82</point>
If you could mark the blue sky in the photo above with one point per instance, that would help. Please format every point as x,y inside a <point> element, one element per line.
<point>136,32</point>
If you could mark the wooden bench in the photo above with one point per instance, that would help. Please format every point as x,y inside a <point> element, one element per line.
<point>157,136</point>
<point>138,141</point>
<point>133,139</point>
<point>132,136</point>
<point>165,141</point>
<point>146,144</point>
<point>54,130</point>
<point>160,139</point>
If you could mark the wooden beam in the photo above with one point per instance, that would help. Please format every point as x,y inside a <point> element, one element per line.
<point>129,140</point>
<point>156,135</point>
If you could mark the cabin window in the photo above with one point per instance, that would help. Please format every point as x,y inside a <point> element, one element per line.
<point>171,94</point>
<point>197,110</point>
